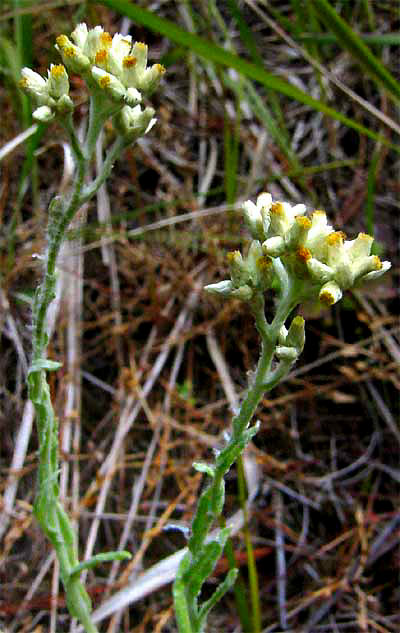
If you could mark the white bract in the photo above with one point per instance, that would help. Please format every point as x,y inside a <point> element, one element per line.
<point>248,276</point>
<point>116,65</point>
<point>51,94</point>
<point>114,68</point>
<point>316,257</point>
<point>135,122</point>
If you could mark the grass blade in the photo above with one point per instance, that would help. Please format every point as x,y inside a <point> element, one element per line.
<point>218,55</point>
<point>357,48</point>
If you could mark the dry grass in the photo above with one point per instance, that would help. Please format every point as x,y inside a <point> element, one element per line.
<point>152,366</point>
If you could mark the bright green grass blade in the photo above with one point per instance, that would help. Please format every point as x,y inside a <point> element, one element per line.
<point>231,155</point>
<point>262,112</point>
<point>383,39</point>
<point>371,186</point>
<point>23,56</point>
<point>357,48</point>
<point>246,34</point>
<point>10,67</point>
<point>217,54</point>
<point>239,588</point>
<point>251,561</point>
<point>17,56</point>
<point>275,121</point>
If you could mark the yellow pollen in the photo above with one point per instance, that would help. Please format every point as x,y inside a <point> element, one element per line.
<point>303,253</point>
<point>304,222</point>
<point>336,238</point>
<point>104,81</point>
<point>277,208</point>
<point>160,68</point>
<point>69,51</point>
<point>106,39</point>
<point>57,71</point>
<point>232,256</point>
<point>263,263</point>
<point>23,82</point>
<point>62,41</point>
<point>327,298</point>
<point>377,262</point>
<point>129,61</point>
<point>101,56</point>
<point>365,236</point>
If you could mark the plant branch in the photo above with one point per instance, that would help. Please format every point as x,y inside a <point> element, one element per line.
<point>203,554</point>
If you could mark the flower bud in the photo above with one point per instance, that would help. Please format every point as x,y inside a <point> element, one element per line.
<point>244,293</point>
<point>139,51</point>
<point>330,293</point>
<point>254,254</point>
<point>264,202</point>
<point>121,45</point>
<point>283,332</point>
<point>223,288</point>
<point>44,114</point>
<point>365,265</point>
<point>296,334</point>
<point>135,122</point>
<point>274,246</point>
<point>57,83</point>
<point>34,85</point>
<point>334,252</point>
<point>133,97</point>
<point>297,234</point>
<point>97,40</point>
<point>109,83</point>
<point>72,55</point>
<point>375,274</point>
<point>253,219</point>
<point>288,354</point>
<point>265,272</point>
<point>151,78</point>
<point>79,35</point>
<point>238,270</point>
<point>319,272</point>
<point>64,104</point>
<point>279,219</point>
<point>360,247</point>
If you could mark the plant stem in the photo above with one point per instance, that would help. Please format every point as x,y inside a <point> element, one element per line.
<point>199,561</point>
<point>48,510</point>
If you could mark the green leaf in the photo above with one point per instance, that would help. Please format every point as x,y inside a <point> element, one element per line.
<point>44,364</point>
<point>219,55</point>
<point>231,452</point>
<point>201,522</point>
<point>97,560</point>
<point>221,590</point>
<point>204,468</point>
<point>202,569</point>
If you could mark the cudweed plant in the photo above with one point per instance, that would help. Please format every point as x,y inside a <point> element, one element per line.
<point>303,257</point>
<point>118,79</point>
<point>309,262</point>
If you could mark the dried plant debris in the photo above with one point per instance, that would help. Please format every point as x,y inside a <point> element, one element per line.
<point>140,397</point>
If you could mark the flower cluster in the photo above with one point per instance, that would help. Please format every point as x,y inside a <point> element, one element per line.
<point>51,94</point>
<point>254,273</point>
<point>116,66</point>
<point>111,66</point>
<point>314,255</point>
